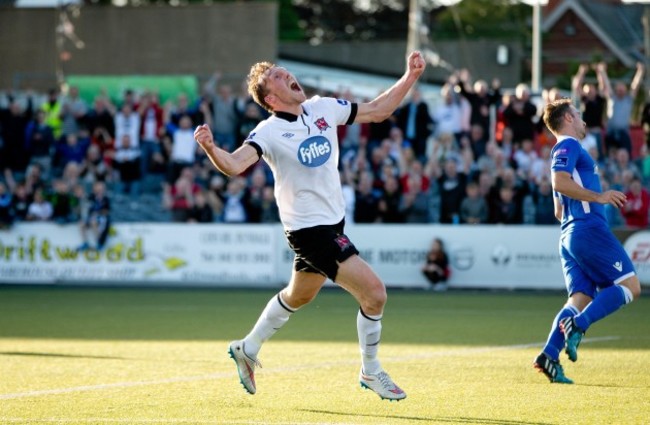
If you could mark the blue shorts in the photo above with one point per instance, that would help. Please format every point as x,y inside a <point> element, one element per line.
<point>593,259</point>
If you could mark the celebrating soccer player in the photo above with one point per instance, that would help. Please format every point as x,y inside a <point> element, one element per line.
<point>299,142</point>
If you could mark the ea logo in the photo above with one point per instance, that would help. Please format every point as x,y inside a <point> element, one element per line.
<point>500,255</point>
<point>314,151</point>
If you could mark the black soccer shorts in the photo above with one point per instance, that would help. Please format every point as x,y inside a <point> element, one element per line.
<point>320,249</point>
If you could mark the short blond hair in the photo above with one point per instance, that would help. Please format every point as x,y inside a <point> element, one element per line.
<point>257,83</point>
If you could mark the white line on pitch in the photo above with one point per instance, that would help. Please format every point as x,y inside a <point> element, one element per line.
<point>158,421</point>
<point>462,351</point>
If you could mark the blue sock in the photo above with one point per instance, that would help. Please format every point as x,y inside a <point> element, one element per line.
<point>606,302</point>
<point>555,341</point>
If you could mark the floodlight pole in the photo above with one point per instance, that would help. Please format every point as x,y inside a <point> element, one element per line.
<point>536,71</point>
<point>415,22</point>
<point>645,20</point>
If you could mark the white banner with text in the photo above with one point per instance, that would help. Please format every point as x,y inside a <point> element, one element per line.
<point>500,257</point>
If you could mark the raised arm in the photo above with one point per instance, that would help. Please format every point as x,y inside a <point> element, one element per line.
<point>231,164</point>
<point>604,85</point>
<point>385,104</point>
<point>577,81</point>
<point>637,80</point>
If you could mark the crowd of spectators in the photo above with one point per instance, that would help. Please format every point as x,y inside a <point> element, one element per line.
<point>479,155</point>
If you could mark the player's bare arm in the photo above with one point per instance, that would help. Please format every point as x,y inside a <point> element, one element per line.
<point>558,208</point>
<point>231,164</point>
<point>563,183</point>
<point>385,104</point>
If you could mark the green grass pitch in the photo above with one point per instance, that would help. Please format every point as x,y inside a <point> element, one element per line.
<point>159,356</point>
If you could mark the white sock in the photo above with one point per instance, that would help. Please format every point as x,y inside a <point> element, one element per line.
<point>369,330</point>
<point>273,317</point>
<point>627,294</point>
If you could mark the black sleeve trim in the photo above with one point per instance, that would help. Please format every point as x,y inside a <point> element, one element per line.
<point>257,147</point>
<point>353,114</point>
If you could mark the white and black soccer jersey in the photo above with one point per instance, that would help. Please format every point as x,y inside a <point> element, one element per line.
<point>303,153</point>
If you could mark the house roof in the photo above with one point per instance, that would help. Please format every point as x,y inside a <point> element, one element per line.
<point>618,26</point>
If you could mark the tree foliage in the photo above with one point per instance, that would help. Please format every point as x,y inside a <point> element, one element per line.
<point>346,20</point>
<point>484,19</point>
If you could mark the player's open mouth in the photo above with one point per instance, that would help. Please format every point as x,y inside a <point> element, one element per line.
<point>295,87</point>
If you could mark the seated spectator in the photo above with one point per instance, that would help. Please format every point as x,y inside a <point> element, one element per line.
<point>520,188</point>
<point>94,168</point>
<point>619,163</point>
<point>34,178</point>
<point>415,171</point>
<point>612,213</point>
<point>6,212</point>
<point>269,207</point>
<point>62,203</point>
<point>451,186</point>
<point>366,202</point>
<point>506,210</point>
<point>255,189</point>
<point>643,163</point>
<point>20,201</point>
<point>541,167</point>
<point>97,219</point>
<point>102,139</point>
<point>415,204</point>
<point>436,267</point>
<point>390,202</point>
<point>524,157</point>
<point>215,195</point>
<point>235,201</point>
<point>40,209</point>
<point>128,165</point>
<point>179,197</point>
<point>474,208</point>
<point>540,203</point>
<point>72,150</point>
<point>636,208</point>
<point>200,212</point>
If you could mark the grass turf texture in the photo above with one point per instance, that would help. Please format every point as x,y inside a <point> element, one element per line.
<point>152,356</point>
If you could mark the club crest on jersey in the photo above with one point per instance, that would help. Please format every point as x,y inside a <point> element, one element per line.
<point>314,151</point>
<point>322,124</point>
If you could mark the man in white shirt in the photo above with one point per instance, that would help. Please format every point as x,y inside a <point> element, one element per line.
<point>300,144</point>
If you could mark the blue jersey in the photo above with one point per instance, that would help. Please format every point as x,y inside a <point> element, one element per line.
<point>569,156</point>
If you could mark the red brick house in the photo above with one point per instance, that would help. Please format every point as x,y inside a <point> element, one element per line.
<point>577,31</point>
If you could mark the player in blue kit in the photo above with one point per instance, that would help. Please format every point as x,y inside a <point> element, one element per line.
<point>599,275</point>
<point>299,142</point>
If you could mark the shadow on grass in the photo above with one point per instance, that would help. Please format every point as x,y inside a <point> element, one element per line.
<point>65,356</point>
<point>434,419</point>
<point>462,318</point>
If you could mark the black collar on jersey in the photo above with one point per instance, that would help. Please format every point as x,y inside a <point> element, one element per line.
<point>288,116</point>
<point>293,118</point>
